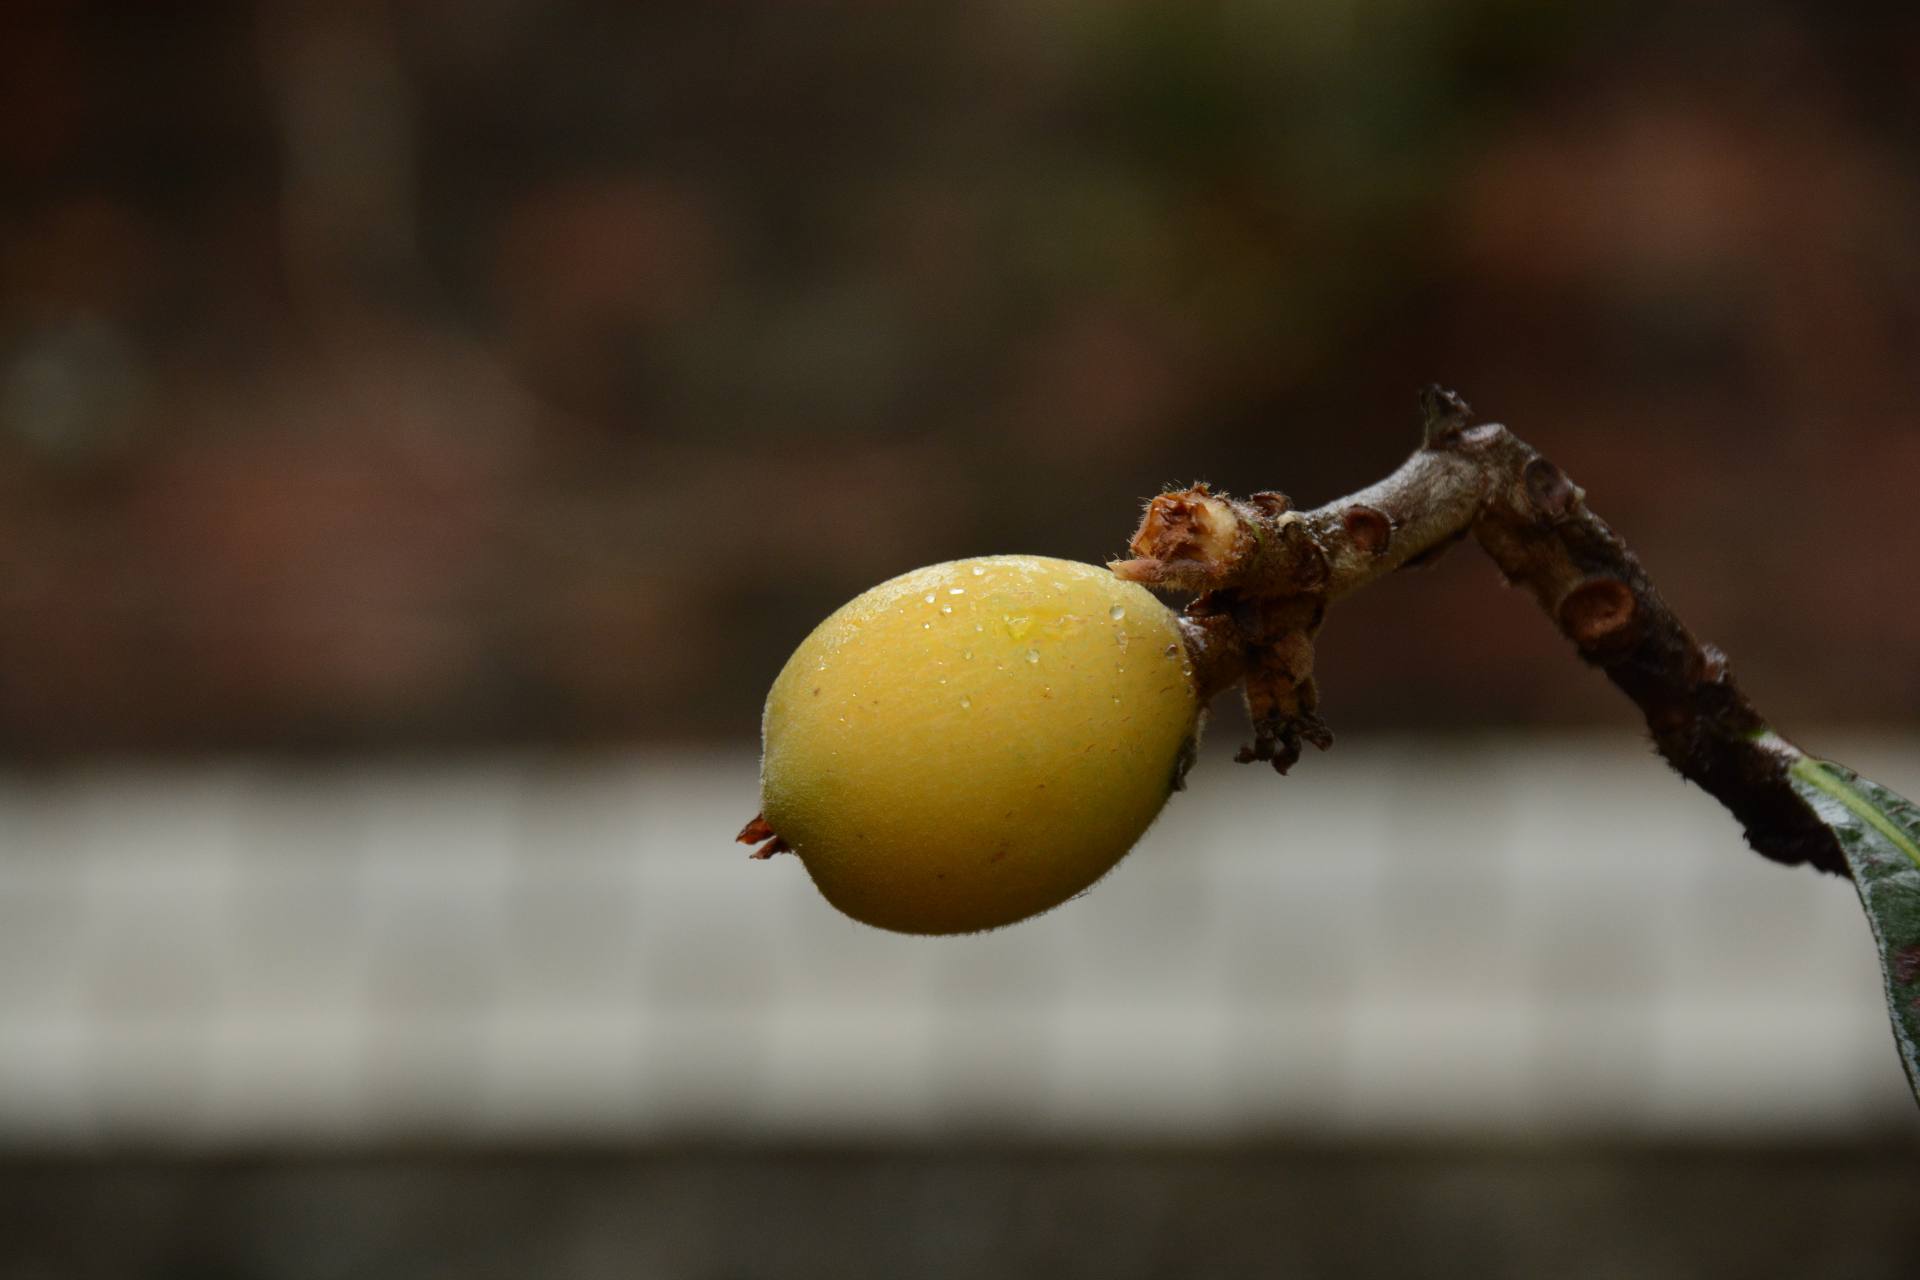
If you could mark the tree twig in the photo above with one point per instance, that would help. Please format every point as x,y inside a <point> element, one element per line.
<point>1264,575</point>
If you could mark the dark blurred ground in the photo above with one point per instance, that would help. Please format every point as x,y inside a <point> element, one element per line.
<point>1115,1213</point>
<point>424,375</point>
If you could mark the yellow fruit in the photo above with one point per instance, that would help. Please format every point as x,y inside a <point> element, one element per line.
<point>972,743</point>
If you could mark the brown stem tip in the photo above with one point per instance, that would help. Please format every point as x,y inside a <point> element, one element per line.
<point>1188,540</point>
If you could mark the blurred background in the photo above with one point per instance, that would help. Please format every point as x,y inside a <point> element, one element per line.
<point>425,428</point>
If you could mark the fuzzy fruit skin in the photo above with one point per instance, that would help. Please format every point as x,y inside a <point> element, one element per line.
<point>975,742</point>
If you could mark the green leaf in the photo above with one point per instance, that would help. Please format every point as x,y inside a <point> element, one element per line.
<point>1880,834</point>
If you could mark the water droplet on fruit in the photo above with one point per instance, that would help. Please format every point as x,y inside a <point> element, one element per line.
<point>956,591</point>
<point>967,654</point>
<point>1172,649</point>
<point>1033,655</point>
<point>928,597</point>
<point>1118,612</point>
<point>978,571</point>
<point>966,703</point>
<point>1018,626</point>
<point>946,608</point>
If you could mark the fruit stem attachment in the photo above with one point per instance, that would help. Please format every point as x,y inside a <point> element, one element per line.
<point>1263,575</point>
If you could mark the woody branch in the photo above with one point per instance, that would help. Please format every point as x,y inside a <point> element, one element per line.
<point>1264,574</point>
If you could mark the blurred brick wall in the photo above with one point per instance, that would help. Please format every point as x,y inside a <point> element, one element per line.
<point>417,375</point>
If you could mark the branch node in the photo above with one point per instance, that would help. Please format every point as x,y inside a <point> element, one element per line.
<point>1599,614</point>
<point>1552,494</point>
<point>1369,528</point>
<point>1443,415</point>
